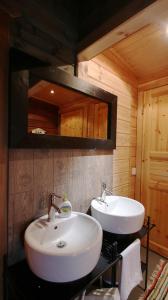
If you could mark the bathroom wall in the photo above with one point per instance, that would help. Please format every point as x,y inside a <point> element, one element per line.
<point>4,42</point>
<point>109,72</point>
<point>33,174</point>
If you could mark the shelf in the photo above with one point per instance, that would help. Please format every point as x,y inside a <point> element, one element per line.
<point>24,285</point>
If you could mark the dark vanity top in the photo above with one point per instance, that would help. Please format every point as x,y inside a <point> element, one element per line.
<point>22,284</point>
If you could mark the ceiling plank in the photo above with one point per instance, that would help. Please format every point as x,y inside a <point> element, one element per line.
<point>150,14</point>
<point>32,40</point>
<point>145,52</point>
<point>12,8</point>
<point>153,84</point>
<point>39,28</point>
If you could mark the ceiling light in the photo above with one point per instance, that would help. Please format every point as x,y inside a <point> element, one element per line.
<point>52,92</point>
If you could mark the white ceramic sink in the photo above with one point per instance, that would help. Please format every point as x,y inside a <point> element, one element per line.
<point>64,250</point>
<point>118,214</point>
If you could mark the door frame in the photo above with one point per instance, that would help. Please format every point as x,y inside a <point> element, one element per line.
<point>150,88</point>
<point>139,151</point>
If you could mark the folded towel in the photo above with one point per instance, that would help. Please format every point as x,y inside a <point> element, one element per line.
<point>131,274</point>
<point>104,294</point>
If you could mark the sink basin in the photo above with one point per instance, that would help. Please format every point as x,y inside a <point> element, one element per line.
<point>118,214</point>
<point>64,250</point>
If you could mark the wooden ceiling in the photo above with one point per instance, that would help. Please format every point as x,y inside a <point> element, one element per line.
<point>61,96</point>
<point>54,31</point>
<point>145,52</point>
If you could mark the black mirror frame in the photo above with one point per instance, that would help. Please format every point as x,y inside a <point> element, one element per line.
<point>18,111</point>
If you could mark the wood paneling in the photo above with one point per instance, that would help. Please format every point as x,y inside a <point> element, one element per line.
<point>152,164</point>
<point>3,141</point>
<point>43,115</point>
<point>41,91</point>
<point>114,77</point>
<point>77,172</point>
<point>34,174</point>
<point>145,52</point>
<point>18,136</point>
<point>44,35</point>
<point>119,25</point>
<point>66,112</point>
<point>153,84</point>
<point>85,120</point>
<point>73,123</point>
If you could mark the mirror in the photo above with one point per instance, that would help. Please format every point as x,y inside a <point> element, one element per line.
<point>52,109</point>
<point>56,110</point>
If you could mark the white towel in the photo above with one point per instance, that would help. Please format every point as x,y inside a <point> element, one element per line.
<point>131,274</point>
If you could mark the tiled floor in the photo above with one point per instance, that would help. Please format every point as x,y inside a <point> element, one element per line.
<point>153,261</point>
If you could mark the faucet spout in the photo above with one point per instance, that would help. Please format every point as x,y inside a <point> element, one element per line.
<point>52,207</point>
<point>105,192</point>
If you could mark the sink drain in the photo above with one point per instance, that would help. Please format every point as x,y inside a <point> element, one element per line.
<point>61,244</point>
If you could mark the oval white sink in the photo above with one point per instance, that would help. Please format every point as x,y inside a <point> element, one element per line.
<point>64,250</point>
<point>118,214</point>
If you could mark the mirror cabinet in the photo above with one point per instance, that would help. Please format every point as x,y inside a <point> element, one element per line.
<point>50,108</point>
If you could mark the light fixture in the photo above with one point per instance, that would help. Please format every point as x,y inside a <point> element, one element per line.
<point>52,92</point>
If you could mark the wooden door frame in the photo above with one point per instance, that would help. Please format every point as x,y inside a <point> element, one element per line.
<point>141,89</point>
<point>151,88</point>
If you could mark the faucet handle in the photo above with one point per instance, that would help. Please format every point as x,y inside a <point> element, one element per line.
<point>53,196</point>
<point>52,204</point>
<point>103,185</point>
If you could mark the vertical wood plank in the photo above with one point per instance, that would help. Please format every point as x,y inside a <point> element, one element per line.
<point>139,145</point>
<point>20,200</point>
<point>109,75</point>
<point>43,179</point>
<point>4,27</point>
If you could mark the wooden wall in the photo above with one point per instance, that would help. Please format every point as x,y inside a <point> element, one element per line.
<point>3,140</point>
<point>42,115</point>
<point>34,174</point>
<point>111,74</point>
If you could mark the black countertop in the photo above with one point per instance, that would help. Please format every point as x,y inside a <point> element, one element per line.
<point>22,284</point>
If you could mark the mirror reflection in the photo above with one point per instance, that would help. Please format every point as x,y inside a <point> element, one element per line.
<point>57,110</point>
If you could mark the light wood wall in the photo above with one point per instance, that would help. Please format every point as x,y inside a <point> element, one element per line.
<point>34,174</point>
<point>3,141</point>
<point>111,74</point>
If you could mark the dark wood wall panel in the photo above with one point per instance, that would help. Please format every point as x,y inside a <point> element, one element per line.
<point>3,140</point>
<point>34,174</point>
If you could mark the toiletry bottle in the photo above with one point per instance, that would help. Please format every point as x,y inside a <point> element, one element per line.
<point>65,207</point>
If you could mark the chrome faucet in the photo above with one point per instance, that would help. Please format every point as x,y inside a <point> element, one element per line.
<point>52,207</point>
<point>105,192</point>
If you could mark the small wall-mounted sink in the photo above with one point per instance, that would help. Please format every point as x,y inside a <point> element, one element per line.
<point>119,215</point>
<point>64,250</point>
